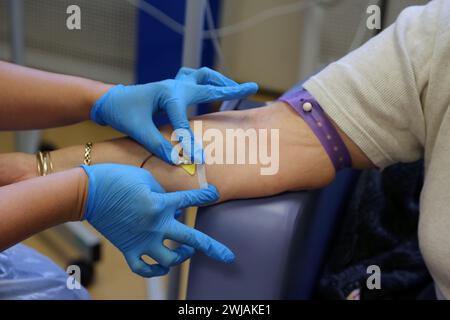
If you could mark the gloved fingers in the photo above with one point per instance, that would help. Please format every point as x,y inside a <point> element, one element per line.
<point>191,198</point>
<point>154,184</point>
<point>157,144</point>
<point>140,267</point>
<point>168,258</point>
<point>185,251</point>
<point>156,187</point>
<point>199,241</point>
<point>192,149</point>
<point>184,72</point>
<point>179,213</point>
<point>176,111</point>
<point>205,75</point>
<point>209,93</point>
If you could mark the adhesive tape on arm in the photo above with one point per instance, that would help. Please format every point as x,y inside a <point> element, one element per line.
<point>201,176</point>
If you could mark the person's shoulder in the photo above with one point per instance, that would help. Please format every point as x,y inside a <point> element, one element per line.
<point>425,22</point>
<point>442,9</point>
<point>437,11</point>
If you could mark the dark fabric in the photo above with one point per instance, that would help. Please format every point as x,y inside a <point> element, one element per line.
<point>379,228</point>
<point>429,293</point>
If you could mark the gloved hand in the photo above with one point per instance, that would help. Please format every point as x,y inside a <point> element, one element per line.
<point>130,109</point>
<point>128,206</point>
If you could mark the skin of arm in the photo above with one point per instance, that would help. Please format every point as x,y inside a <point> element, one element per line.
<point>303,163</point>
<point>30,206</point>
<point>35,99</point>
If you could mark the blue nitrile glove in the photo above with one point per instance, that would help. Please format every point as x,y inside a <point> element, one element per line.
<point>130,109</point>
<point>128,206</point>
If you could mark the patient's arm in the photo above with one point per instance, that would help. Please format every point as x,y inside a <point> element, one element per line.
<point>303,163</point>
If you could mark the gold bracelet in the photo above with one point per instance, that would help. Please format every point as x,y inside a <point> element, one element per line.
<point>44,163</point>
<point>87,153</point>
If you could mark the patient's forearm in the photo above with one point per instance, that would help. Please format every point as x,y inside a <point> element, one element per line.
<point>303,164</point>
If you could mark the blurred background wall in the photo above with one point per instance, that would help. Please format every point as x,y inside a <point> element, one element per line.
<point>121,43</point>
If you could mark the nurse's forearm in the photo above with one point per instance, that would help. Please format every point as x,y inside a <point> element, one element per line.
<point>33,205</point>
<point>34,99</point>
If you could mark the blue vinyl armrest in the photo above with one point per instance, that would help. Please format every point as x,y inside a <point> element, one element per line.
<point>261,233</point>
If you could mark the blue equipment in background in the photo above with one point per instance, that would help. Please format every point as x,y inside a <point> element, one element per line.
<point>160,49</point>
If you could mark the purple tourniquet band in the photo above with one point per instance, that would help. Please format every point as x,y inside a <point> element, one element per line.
<point>310,110</point>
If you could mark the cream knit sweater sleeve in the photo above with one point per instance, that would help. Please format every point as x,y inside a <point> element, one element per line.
<point>376,93</point>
